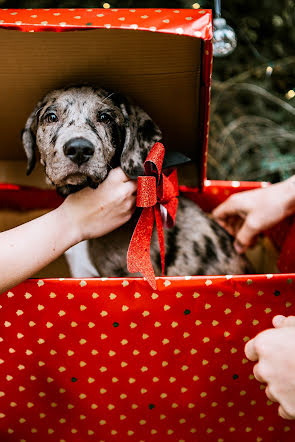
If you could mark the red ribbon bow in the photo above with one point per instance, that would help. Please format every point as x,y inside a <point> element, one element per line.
<point>157,193</point>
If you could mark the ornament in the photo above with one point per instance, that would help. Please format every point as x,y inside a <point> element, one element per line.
<point>224,37</point>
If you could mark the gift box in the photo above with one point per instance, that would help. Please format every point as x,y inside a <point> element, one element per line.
<point>110,358</point>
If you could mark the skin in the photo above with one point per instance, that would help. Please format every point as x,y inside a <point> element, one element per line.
<point>246,214</point>
<point>274,350</point>
<point>89,213</point>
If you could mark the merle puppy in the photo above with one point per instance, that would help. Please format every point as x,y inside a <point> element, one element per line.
<point>83,132</point>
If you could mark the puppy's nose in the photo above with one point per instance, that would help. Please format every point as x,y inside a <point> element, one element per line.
<point>79,150</point>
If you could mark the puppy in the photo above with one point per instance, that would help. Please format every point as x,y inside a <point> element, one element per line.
<point>81,133</point>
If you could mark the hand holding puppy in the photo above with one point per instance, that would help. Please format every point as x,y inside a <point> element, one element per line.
<point>94,213</point>
<point>246,214</point>
<point>89,213</point>
<point>274,349</point>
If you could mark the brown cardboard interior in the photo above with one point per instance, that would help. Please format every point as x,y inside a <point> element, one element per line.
<point>160,72</point>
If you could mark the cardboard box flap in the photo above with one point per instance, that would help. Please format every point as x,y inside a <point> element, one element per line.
<point>165,72</point>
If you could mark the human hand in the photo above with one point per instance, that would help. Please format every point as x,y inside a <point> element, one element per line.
<point>96,212</point>
<point>246,214</point>
<point>275,351</point>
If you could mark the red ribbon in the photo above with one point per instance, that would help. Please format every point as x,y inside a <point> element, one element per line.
<point>157,194</point>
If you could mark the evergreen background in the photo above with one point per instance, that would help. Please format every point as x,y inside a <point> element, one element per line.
<point>252,133</point>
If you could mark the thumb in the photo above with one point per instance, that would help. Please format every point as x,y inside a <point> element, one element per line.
<point>245,235</point>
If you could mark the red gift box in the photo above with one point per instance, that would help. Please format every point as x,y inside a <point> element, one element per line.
<point>109,358</point>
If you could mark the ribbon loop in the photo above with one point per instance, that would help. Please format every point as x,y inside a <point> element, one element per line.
<point>146,191</point>
<point>157,193</point>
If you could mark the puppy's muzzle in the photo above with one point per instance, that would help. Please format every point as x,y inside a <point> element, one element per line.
<point>78,150</point>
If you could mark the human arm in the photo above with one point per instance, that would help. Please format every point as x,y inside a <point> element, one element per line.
<point>246,214</point>
<point>86,214</point>
<point>274,349</point>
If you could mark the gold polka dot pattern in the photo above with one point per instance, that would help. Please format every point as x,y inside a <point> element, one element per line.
<point>141,369</point>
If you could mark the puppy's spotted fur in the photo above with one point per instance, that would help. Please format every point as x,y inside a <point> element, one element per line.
<point>121,134</point>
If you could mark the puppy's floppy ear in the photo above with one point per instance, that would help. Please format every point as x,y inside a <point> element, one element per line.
<point>29,137</point>
<point>141,133</point>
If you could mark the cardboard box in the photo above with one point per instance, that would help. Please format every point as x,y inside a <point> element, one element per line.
<point>108,358</point>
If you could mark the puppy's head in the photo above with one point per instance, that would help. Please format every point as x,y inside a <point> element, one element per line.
<point>83,132</point>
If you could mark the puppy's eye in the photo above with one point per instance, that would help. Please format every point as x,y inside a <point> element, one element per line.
<point>51,118</point>
<point>103,117</point>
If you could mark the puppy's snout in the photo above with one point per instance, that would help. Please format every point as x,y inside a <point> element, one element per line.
<point>79,150</point>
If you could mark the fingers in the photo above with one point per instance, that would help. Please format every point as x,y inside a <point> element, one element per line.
<point>250,350</point>
<point>118,175</point>
<point>283,413</point>
<point>270,395</point>
<point>246,235</point>
<point>280,321</point>
<point>257,373</point>
<point>226,209</point>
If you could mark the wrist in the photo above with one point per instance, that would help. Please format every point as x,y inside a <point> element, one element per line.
<point>70,228</point>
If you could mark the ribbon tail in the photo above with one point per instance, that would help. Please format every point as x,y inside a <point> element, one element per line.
<point>138,255</point>
<point>161,239</point>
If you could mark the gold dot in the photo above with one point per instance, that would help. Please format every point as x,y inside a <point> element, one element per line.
<point>142,422</point>
<point>230,404</point>
<point>130,432</point>
<point>270,428</point>
<point>241,413</point>
<point>203,394</point>
<point>221,419</point>
<point>102,422</point>
<point>123,396</point>
<point>163,395</point>
<point>214,404</point>
<point>248,429</point>
<point>202,415</point>
<point>232,429</point>
<point>62,420</point>
<point>260,418</point>
<point>170,431</point>
<point>242,393</point>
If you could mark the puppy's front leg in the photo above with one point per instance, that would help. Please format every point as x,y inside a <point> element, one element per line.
<point>79,262</point>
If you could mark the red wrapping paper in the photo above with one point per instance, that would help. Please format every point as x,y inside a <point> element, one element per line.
<point>111,359</point>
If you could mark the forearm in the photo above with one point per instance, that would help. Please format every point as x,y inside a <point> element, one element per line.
<point>290,195</point>
<point>28,248</point>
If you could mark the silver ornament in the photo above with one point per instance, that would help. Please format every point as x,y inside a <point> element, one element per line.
<point>224,38</point>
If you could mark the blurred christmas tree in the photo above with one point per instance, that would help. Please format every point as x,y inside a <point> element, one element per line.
<point>252,133</point>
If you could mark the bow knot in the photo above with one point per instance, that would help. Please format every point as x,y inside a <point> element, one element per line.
<point>157,194</point>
